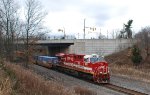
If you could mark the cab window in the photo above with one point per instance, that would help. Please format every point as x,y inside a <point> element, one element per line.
<point>86,59</point>
<point>95,59</point>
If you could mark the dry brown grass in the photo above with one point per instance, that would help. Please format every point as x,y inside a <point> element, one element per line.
<point>82,91</point>
<point>135,72</point>
<point>29,83</point>
<point>33,84</point>
<point>121,64</point>
<point>5,84</point>
<point>119,58</point>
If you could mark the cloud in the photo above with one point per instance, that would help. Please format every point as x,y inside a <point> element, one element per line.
<point>105,15</point>
<point>108,14</point>
<point>60,5</point>
<point>98,10</point>
<point>71,13</point>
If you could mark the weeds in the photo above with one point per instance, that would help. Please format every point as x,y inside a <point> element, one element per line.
<point>5,84</point>
<point>33,84</point>
<point>134,72</point>
<point>26,82</point>
<point>82,91</point>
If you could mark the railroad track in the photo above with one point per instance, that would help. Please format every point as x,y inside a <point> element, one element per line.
<point>108,85</point>
<point>123,90</point>
<point>111,86</point>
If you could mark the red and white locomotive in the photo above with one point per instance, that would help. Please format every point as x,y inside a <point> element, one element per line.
<point>93,66</point>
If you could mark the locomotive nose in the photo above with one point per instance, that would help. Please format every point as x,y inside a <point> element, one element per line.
<point>101,74</point>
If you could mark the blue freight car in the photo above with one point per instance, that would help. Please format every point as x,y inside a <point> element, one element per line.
<point>47,61</point>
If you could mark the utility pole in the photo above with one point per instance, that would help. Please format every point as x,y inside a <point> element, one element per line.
<point>100,34</point>
<point>84,30</point>
<point>78,35</point>
<point>91,28</point>
<point>107,34</point>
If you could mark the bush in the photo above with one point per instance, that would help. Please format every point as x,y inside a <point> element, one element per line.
<point>136,57</point>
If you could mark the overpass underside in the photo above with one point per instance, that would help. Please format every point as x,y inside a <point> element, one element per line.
<point>54,48</point>
<point>86,46</point>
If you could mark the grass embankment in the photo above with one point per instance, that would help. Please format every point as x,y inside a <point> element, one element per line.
<point>20,81</point>
<point>121,64</point>
<point>133,72</point>
<point>5,83</point>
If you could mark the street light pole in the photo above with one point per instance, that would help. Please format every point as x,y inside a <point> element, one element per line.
<point>63,30</point>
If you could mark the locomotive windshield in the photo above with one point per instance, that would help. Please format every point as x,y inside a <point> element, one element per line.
<point>96,59</point>
<point>93,58</point>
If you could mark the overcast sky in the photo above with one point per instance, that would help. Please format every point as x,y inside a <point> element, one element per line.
<point>105,15</point>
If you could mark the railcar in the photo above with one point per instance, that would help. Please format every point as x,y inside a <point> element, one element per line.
<point>91,66</point>
<point>46,61</point>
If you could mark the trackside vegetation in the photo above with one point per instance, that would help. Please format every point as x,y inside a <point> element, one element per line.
<point>17,80</point>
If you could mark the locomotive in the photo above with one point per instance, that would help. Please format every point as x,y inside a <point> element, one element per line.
<point>91,66</point>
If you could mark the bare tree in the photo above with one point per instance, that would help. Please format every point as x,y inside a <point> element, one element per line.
<point>143,38</point>
<point>1,42</point>
<point>101,36</point>
<point>8,11</point>
<point>115,34</point>
<point>34,15</point>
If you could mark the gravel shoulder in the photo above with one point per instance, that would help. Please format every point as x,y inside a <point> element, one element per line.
<point>71,82</point>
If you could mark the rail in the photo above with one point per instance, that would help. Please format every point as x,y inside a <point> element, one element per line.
<point>123,90</point>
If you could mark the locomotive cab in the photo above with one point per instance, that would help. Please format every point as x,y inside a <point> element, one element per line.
<point>99,67</point>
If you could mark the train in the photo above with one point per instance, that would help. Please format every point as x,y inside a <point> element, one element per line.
<point>91,66</point>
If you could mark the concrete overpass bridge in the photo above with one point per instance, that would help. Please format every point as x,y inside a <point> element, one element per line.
<point>85,46</point>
